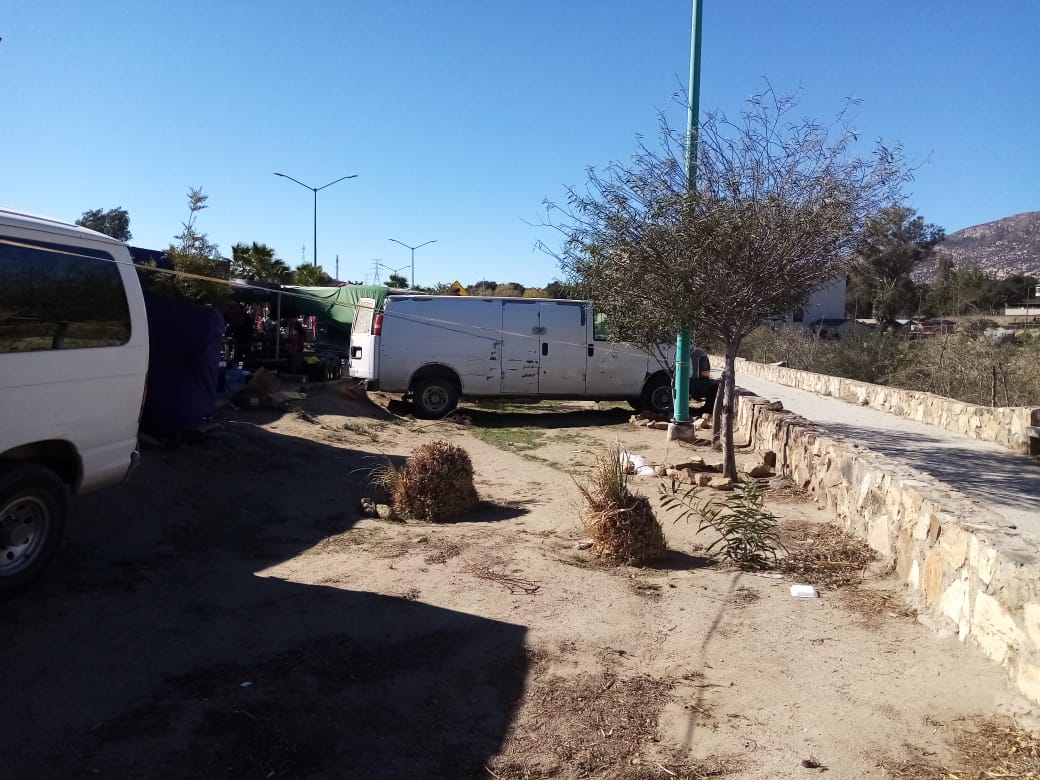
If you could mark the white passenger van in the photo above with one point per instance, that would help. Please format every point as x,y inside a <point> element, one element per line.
<point>73,359</point>
<point>438,349</point>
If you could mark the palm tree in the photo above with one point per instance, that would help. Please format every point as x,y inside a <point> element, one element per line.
<point>257,262</point>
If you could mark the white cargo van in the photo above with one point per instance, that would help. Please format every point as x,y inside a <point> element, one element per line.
<point>73,359</point>
<point>438,349</point>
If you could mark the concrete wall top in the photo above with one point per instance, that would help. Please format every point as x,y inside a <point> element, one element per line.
<point>1008,427</point>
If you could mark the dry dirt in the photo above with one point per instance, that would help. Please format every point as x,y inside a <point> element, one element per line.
<point>229,613</point>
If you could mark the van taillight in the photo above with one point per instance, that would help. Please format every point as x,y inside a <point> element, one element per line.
<point>377,325</point>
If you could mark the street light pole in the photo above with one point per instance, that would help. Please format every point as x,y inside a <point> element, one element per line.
<point>315,191</point>
<point>413,248</point>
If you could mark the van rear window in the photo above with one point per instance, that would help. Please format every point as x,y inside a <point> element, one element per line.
<point>363,314</point>
<point>54,296</point>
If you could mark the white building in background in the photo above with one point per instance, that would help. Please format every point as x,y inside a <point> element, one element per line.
<point>1027,308</point>
<point>827,303</point>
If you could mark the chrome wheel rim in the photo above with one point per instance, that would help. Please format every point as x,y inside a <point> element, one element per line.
<point>434,398</point>
<point>24,524</point>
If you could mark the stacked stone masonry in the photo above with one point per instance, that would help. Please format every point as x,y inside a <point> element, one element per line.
<point>1009,427</point>
<point>970,569</point>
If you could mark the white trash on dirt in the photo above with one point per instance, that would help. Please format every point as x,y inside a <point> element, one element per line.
<point>803,591</point>
<point>636,464</point>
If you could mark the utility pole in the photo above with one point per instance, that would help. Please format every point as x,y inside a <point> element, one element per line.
<point>681,406</point>
<point>337,266</point>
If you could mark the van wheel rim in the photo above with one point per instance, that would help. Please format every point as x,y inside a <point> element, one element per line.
<point>24,524</point>
<point>434,398</point>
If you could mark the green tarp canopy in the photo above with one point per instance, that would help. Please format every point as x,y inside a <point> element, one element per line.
<point>333,303</point>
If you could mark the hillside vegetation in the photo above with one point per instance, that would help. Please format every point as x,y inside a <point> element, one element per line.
<point>977,363</point>
<point>999,249</point>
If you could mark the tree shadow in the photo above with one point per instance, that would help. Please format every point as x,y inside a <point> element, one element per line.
<point>162,645</point>
<point>544,418</point>
<point>675,560</point>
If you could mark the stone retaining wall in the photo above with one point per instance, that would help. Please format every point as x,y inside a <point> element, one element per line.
<point>1006,426</point>
<point>971,569</point>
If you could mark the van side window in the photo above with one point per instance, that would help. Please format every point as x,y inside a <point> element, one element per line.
<point>600,327</point>
<point>56,296</point>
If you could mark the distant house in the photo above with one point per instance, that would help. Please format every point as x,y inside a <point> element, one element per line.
<point>1027,308</point>
<point>827,303</point>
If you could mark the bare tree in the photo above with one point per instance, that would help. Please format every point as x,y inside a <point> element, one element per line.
<point>778,210</point>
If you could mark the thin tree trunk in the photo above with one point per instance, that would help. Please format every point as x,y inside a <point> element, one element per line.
<point>729,458</point>
<point>716,412</point>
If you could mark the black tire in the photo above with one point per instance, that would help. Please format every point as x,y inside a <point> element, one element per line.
<point>434,397</point>
<point>657,396</point>
<point>33,511</point>
<point>636,403</point>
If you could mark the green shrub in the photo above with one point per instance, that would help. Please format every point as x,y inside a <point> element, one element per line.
<point>749,534</point>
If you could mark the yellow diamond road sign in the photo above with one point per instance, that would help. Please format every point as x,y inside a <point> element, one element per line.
<point>458,289</point>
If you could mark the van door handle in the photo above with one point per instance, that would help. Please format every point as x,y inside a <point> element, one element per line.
<point>591,349</point>
<point>545,348</point>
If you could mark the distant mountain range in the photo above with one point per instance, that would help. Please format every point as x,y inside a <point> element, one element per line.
<point>1000,248</point>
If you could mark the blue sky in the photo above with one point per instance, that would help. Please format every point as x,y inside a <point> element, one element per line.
<point>460,117</point>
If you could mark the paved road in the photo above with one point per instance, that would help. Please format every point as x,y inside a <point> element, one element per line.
<point>989,475</point>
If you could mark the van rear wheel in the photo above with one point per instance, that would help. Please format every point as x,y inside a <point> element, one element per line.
<point>33,509</point>
<point>434,397</point>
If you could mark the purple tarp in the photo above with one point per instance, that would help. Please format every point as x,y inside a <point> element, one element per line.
<point>186,341</point>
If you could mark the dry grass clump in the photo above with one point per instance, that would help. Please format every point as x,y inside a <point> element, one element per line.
<point>991,749</point>
<point>622,526</point>
<point>599,726</point>
<point>435,484</point>
<point>824,555</point>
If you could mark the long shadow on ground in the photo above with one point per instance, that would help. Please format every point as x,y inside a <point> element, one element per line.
<point>158,647</point>
<point>549,417</point>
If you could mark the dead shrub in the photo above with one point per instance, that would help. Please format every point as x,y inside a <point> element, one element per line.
<point>435,484</point>
<point>622,526</point>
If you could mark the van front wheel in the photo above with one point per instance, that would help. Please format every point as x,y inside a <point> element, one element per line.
<point>33,506</point>
<point>657,396</point>
<point>434,397</point>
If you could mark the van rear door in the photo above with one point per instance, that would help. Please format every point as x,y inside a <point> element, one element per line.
<point>364,341</point>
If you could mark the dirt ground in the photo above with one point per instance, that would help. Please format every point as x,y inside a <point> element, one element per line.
<point>230,613</point>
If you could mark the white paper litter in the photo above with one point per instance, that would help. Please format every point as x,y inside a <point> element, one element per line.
<point>803,591</point>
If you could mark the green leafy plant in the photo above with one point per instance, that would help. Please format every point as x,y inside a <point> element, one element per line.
<point>749,534</point>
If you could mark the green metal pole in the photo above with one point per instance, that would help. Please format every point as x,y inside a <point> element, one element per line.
<point>681,407</point>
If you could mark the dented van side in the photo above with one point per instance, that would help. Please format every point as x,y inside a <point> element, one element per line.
<point>438,349</point>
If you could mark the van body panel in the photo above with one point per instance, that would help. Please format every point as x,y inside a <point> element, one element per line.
<point>534,348</point>
<point>88,397</point>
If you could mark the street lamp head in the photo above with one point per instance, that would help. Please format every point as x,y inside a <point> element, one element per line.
<point>315,191</point>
